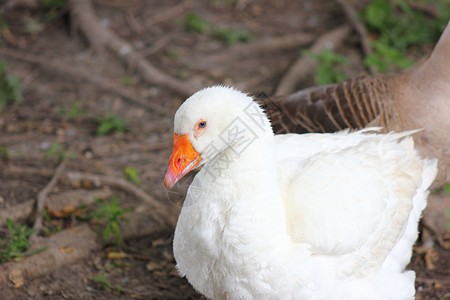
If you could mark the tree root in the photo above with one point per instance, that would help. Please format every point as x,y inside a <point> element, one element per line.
<point>78,179</point>
<point>63,248</point>
<point>83,16</point>
<point>72,245</point>
<point>17,212</point>
<point>269,45</point>
<point>67,203</point>
<point>305,66</point>
<point>86,76</point>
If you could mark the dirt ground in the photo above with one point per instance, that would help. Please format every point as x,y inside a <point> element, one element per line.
<point>49,46</point>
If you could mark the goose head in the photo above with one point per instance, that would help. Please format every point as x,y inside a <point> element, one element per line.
<point>201,126</point>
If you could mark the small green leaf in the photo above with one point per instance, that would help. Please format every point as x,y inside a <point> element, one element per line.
<point>15,245</point>
<point>10,88</point>
<point>103,279</point>
<point>326,72</point>
<point>132,175</point>
<point>447,213</point>
<point>112,214</point>
<point>110,123</point>
<point>447,189</point>
<point>195,23</point>
<point>74,111</point>
<point>232,36</point>
<point>54,150</point>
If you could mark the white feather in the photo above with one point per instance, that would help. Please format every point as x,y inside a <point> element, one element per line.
<point>313,216</point>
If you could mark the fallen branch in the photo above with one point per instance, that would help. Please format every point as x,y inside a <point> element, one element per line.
<point>63,248</point>
<point>86,76</point>
<point>172,12</point>
<point>305,66</point>
<point>83,16</point>
<point>445,281</point>
<point>269,45</point>
<point>42,197</point>
<point>26,171</point>
<point>359,27</point>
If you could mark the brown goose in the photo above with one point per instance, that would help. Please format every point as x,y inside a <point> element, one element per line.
<point>416,98</point>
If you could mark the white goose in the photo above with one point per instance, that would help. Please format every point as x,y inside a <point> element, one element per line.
<point>314,216</point>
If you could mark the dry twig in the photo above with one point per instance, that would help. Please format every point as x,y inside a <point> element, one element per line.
<point>99,37</point>
<point>269,45</point>
<point>131,21</point>
<point>445,281</point>
<point>42,197</point>
<point>170,13</point>
<point>305,66</point>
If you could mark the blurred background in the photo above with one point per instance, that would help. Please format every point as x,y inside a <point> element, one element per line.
<point>88,90</point>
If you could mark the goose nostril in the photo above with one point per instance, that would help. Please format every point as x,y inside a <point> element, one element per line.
<point>178,162</point>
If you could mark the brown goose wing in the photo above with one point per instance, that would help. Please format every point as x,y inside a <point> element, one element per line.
<point>350,104</point>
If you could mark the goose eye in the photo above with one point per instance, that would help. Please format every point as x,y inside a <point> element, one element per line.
<point>201,124</point>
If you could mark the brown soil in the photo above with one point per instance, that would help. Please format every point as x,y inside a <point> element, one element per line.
<point>155,29</point>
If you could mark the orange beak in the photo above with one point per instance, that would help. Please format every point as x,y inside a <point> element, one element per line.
<point>183,159</point>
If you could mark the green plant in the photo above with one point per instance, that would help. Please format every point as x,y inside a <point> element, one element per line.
<point>325,71</point>
<point>173,53</point>
<point>128,80</point>
<point>132,175</point>
<point>3,23</point>
<point>74,111</point>
<point>447,213</point>
<point>106,284</point>
<point>50,227</point>
<point>56,152</point>
<point>232,36</point>
<point>53,4</point>
<point>15,246</point>
<point>384,56</point>
<point>103,280</point>
<point>112,213</point>
<point>194,23</point>
<point>110,123</point>
<point>397,29</point>
<point>4,152</point>
<point>10,88</point>
<point>446,189</point>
